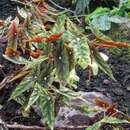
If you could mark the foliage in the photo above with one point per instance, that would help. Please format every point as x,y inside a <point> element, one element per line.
<point>49,45</point>
<point>102,17</point>
<point>109,120</point>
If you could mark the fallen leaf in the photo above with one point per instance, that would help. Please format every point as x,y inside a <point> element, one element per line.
<point>1,23</point>
<point>111,111</point>
<point>35,54</point>
<point>102,103</point>
<point>11,52</point>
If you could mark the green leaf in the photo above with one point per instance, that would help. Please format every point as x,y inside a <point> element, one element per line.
<point>20,60</point>
<point>102,22</point>
<point>59,25</point>
<point>67,92</point>
<point>22,87</point>
<point>95,126</point>
<point>94,67</point>
<point>81,5</point>
<point>22,12</point>
<point>98,12</point>
<point>102,64</point>
<point>113,120</point>
<point>21,99</point>
<point>47,109</point>
<point>35,62</point>
<point>46,104</point>
<point>62,62</point>
<point>33,98</point>
<point>82,52</point>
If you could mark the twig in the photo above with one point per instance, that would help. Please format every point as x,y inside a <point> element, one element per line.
<point>23,127</point>
<point>58,6</point>
<point>21,3</point>
<point>4,82</point>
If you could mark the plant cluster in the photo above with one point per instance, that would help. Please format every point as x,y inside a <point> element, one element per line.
<point>49,45</point>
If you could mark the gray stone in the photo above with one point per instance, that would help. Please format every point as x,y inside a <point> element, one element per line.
<point>74,117</point>
<point>118,91</point>
<point>2,125</point>
<point>128,87</point>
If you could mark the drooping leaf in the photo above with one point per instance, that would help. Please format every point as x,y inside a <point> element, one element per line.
<point>62,62</point>
<point>79,43</point>
<point>35,62</point>
<point>20,75</point>
<point>113,120</point>
<point>59,25</point>
<point>33,98</point>
<point>22,87</point>
<point>22,12</point>
<point>95,67</point>
<point>13,35</point>
<point>21,99</point>
<point>47,109</point>
<point>46,105</point>
<point>68,93</point>
<point>104,56</point>
<point>70,53</point>
<point>16,60</point>
<point>103,65</point>
<point>95,126</point>
<point>82,52</point>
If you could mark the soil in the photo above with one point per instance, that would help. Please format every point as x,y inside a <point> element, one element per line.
<point>118,91</point>
<point>7,8</point>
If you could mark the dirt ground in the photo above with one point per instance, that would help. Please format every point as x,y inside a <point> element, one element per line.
<point>118,91</point>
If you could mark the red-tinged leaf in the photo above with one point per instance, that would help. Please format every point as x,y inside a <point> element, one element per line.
<point>101,103</point>
<point>112,43</point>
<point>38,1</point>
<point>13,28</point>
<point>11,52</point>
<point>1,23</point>
<point>36,54</point>
<point>54,37</point>
<point>43,9</point>
<point>38,39</point>
<point>103,46</point>
<point>111,111</point>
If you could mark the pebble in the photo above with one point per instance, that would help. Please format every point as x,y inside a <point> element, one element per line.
<point>106,81</point>
<point>128,87</point>
<point>118,91</point>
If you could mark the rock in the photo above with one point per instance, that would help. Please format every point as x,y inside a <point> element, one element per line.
<point>118,91</point>
<point>2,125</point>
<point>76,117</point>
<point>106,81</point>
<point>1,106</point>
<point>127,96</point>
<point>128,87</point>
